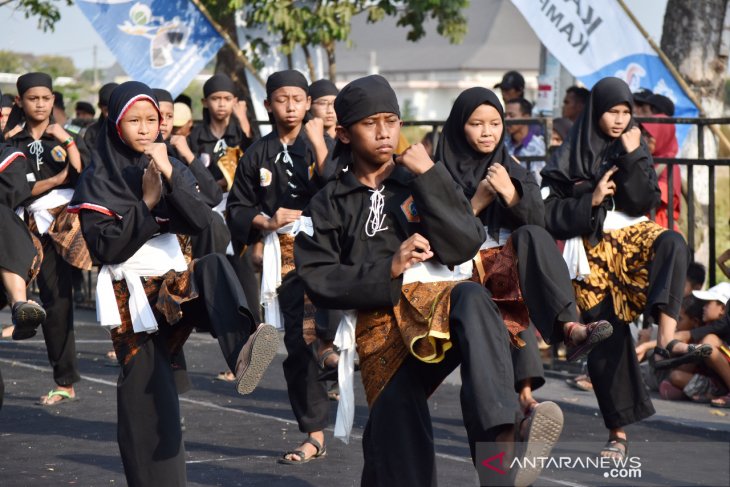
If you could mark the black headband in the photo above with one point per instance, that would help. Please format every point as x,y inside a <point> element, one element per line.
<point>31,80</point>
<point>323,87</point>
<point>86,107</point>
<point>281,79</point>
<point>162,95</point>
<point>105,92</point>
<point>364,97</point>
<point>219,82</point>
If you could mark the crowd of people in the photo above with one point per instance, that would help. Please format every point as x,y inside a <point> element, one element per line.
<point>417,260</point>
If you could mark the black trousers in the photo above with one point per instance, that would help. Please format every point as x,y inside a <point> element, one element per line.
<point>56,292</point>
<point>214,239</point>
<point>326,322</point>
<point>148,413</point>
<point>307,395</point>
<point>548,294</point>
<point>614,370</point>
<point>527,362</point>
<point>398,441</point>
<point>250,282</point>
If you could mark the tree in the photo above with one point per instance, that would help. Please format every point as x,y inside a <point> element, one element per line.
<point>46,10</point>
<point>694,40</point>
<point>323,23</point>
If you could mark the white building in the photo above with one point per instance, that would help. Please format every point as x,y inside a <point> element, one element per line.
<point>428,75</point>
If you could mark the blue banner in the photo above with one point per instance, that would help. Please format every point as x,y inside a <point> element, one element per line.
<point>162,43</point>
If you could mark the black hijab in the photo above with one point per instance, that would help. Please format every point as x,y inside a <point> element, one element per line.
<point>112,183</point>
<point>467,166</point>
<point>580,157</point>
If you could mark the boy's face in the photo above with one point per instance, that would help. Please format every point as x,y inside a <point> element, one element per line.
<point>373,139</point>
<point>324,108</point>
<point>140,125</point>
<point>37,103</point>
<point>513,110</point>
<point>288,105</point>
<point>712,311</point>
<point>220,105</point>
<point>685,322</point>
<point>166,111</point>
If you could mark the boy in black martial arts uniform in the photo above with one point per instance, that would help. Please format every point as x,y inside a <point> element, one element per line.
<point>52,164</point>
<point>274,181</point>
<point>393,240</point>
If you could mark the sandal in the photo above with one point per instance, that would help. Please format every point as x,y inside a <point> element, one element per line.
<point>581,382</point>
<point>611,448</point>
<point>64,395</point>
<point>695,354</point>
<point>596,332</point>
<point>321,452</point>
<point>543,428</point>
<point>721,402</point>
<point>26,318</point>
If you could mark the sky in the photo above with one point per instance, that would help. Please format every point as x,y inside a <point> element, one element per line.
<point>74,36</point>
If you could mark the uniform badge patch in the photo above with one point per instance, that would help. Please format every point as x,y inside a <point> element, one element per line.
<point>410,210</point>
<point>264,177</point>
<point>58,154</point>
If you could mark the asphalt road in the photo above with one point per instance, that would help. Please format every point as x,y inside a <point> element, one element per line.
<point>234,440</point>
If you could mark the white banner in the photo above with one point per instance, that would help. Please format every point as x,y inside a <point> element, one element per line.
<point>596,38</point>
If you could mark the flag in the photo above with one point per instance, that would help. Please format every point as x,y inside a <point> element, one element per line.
<point>594,39</point>
<point>162,43</point>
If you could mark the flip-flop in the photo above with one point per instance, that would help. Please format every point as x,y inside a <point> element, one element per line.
<point>65,398</point>
<point>27,317</point>
<point>321,452</point>
<point>545,423</point>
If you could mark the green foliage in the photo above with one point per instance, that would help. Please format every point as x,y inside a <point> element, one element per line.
<point>324,22</point>
<point>13,62</point>
<point>46,11</point>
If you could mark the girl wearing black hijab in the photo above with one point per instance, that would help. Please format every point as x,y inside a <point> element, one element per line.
<point>596,189</point>
<point>133,200</point>
<point>518,258</point>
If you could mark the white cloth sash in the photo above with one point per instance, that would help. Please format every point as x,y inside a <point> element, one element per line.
<point>157,256</point>
<point>271,275</point>
<point>39,208</point>
<point>428,271</point>
<point>574,252</point>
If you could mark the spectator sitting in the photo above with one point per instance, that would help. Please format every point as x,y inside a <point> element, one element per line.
<point>695,278</point>
<point>524,140</point>
<point>708,381</point>
<point>574,102</point>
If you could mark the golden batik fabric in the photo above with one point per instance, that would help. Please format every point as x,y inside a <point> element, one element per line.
<point>418,324</point>
<point>619,266</point>
<point>166,294</point>
<point>65,232</point>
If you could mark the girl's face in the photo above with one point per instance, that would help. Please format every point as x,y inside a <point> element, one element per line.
<point>712,311</point>
<point>140,125</point>
<point>484,128</point>
<point>615,120</point>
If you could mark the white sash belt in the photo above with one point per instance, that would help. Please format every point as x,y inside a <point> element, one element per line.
<point>271,275</point>
<point>39,208</point>
<point>574,252</point>
<point>429,271</point>
<point>159,255</point>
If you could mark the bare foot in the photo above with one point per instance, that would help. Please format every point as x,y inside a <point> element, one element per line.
<point>58,394</point>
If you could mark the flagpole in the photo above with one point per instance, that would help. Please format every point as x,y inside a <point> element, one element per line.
<point>231,43</point>
<point>672,69</point>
